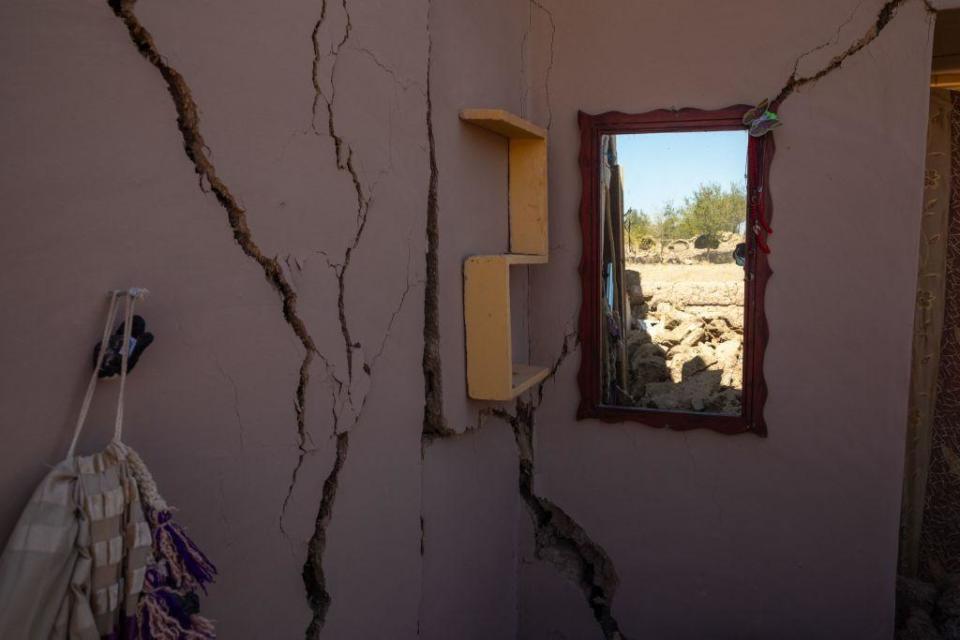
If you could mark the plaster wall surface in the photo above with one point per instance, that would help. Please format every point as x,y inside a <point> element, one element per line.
<point>282,406</point>
<point>793,536</point>
<point>315,120</point>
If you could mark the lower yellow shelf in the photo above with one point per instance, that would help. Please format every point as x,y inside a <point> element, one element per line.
<point>525,376</point>
<point>491,372</point>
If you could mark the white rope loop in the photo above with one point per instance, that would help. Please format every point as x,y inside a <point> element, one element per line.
<point>130,297</point>
<point>129,303</point>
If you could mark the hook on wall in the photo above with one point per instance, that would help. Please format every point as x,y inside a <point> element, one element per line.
<point>140,339</point>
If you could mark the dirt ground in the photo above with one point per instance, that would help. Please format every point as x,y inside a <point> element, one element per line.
<point>654,273</point>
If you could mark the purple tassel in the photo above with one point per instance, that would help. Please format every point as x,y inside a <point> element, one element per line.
<point>166,613</point>
<point>174,605</point>
<point>195,561</point>
<point>169,605</point>
<point>186,565</point>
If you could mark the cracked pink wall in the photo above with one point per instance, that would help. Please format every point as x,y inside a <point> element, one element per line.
<point>794,536</point>
<point>99,193</point>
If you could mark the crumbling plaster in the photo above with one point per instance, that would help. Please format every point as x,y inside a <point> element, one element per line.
<point>305,403</point>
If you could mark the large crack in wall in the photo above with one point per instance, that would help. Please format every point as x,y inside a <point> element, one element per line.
<point>883,18</point>
<point>314,578</point>
<point>188,122</point>
<point>559,539</point>
<point>434,422</point>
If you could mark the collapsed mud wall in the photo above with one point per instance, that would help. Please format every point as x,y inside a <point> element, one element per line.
<point>688,357</point>
<point>699,249</point>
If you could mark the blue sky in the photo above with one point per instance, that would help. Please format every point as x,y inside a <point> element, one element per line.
<point>662,167</point>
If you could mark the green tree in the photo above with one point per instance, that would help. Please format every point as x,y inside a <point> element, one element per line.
<point>670,225</point>
<point>713,210</point>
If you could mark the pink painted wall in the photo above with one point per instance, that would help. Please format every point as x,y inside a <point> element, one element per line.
<point>793,536</point>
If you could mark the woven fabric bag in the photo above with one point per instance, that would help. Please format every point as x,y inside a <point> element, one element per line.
<point>95,553</point>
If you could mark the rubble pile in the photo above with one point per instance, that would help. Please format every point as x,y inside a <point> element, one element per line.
<point>686,354</point>
<point>928,610</point>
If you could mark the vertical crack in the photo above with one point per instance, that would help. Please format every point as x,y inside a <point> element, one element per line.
<point>558,538</point>
<point>344,160</point>
<point>434,422</point>
<point>536,4</point>
<point>314,578</point>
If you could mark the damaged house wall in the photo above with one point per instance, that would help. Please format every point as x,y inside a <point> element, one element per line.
<point>271,177</point>
<point>793,536</point>
<point>294,187</point>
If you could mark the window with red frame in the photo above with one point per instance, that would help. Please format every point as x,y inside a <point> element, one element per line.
<point>675,216</point>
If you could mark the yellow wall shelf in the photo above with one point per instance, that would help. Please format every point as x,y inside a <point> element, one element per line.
<point>491,372</point>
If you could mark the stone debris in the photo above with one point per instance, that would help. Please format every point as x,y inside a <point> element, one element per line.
<point>684,361</point>
<point>928,610</point>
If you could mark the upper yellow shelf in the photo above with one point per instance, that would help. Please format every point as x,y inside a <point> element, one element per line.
<point>527,186</point>
<point>504,123</point>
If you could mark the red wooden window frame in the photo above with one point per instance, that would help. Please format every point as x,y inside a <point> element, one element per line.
<point>757,268</point>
